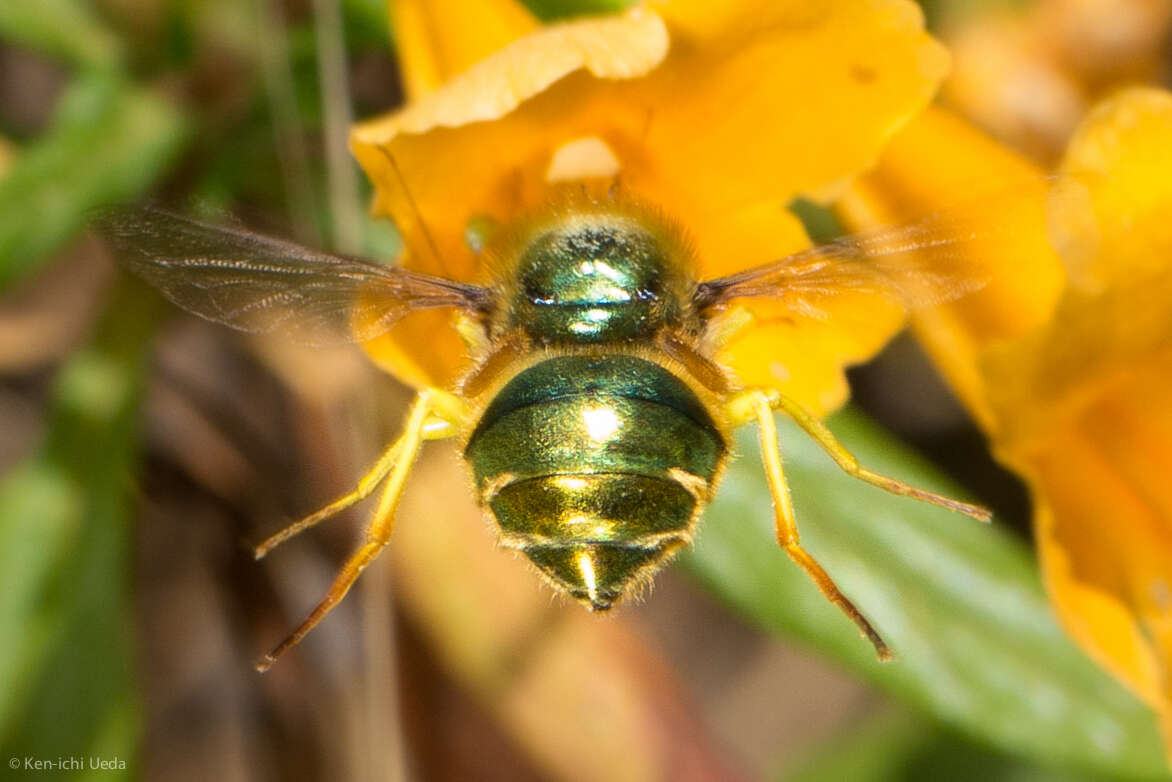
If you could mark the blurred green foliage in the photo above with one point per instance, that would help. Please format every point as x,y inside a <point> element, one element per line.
<point>557,9</point>
<point>66,513</point>
<point>66,653</point>
<point>898,745</point>
<point>63,29</point>
<point>107,143</point>
<point>960,603</point>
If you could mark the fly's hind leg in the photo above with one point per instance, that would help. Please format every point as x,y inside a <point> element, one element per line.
<point>434,415</point>
<point>756,405</point>
<point>849,464</point>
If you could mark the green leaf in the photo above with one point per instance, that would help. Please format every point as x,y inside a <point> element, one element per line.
<point>898,746</point>
<point>66,656</point>
<point>366,24</point>
<point>66,29</point>
<point>108,142</point>
<point>549,10</point>
<point>948,15</point>
<point>959,603</point>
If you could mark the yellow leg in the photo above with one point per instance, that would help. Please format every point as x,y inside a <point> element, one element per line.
<point>846,460</point>
<point>758,405</point>
<point>367,484</point>
<point>434,429</point>
<point>422,424</point>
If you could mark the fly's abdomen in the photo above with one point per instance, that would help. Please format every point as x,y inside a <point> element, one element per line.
<point>595,468</point>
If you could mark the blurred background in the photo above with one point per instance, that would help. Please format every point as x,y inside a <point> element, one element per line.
<point>142,450</point>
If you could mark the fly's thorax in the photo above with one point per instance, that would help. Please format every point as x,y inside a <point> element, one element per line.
<point>596,467</point>
<point>587,277</point>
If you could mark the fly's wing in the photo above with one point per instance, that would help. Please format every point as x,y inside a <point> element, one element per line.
<point>261,285</point>
<point>916,265</point>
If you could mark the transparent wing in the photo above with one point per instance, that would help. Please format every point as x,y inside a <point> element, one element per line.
<point>915,265</point>
<point>260,285</point>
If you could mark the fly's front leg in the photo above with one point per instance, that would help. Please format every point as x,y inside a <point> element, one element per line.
<point>434,415</point>
<point>755,405</point>
<point>366,485</point>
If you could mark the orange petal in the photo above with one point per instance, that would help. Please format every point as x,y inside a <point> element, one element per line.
<point>481,145</point>
<point>1112,212</point>
<point>939,162</point>
<point>782,99</point>
<point>1111,219</point>
<point>1005,79</point>
<point>437,39</point>
<point>755,103</point>
<point>792,99</point>
<point>804,357</point>
<point>1104,528</point>
<point>443,159</point>
<point>1029,71</point>
<point>1036,383</point>
<point>1072,384</point>
<point>1083,403</point>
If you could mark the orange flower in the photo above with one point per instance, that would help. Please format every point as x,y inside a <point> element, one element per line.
<point>1066,359</point>
<point>1028,73</point>
<point>717,114</point>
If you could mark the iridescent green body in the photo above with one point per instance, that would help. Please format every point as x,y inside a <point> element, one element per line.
<point>595,279</point>
<point>594,462</point>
